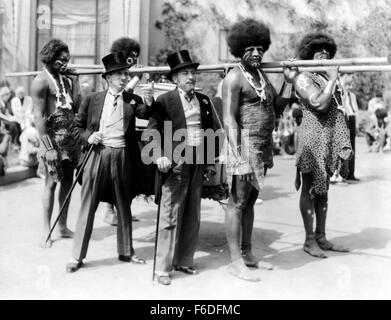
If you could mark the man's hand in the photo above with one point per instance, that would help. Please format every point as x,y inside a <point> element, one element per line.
<point>210,171</point>
<point>332,73</point>
<point>51,157</point>
<point>290,73</point>
<point>148,92</point>
<point>95,138</point>
<point>163,164</point>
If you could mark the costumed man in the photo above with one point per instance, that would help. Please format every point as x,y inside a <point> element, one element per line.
<point>250,103</point>
<point>351,110</point>
<point>106,122</point>
<point>180,178</point>
<point>131,49</point>
<point>56,99</point>
<point>324,143</point>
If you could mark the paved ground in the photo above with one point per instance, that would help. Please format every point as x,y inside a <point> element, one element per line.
<point>359,217</point>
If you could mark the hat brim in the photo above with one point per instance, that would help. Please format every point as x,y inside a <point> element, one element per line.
<point>182,66</point>
<point>104,75</point>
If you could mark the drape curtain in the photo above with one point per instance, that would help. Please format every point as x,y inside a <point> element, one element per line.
<point>74,22</point>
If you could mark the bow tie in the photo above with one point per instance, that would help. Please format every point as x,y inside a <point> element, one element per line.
<point>189,96</point>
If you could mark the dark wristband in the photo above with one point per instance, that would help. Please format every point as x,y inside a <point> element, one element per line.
<point>47,143</point>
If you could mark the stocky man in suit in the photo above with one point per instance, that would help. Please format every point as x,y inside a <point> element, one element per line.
<point>180,181</point>
<point>106,120</point>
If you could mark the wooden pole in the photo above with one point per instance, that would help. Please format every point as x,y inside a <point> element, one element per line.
<point>310,66</point>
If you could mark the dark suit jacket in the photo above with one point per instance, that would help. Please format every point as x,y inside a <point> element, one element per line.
<point>169,108</point>
<point>87,121</point>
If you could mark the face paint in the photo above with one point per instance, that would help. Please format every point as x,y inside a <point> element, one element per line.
<point>322,55</point>
<point>253,56</point>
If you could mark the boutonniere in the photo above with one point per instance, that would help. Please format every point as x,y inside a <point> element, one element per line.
<point>205,101</point>
<point>132,102</point>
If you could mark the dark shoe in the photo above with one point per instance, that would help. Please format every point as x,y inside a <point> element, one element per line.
<point>352,179</point>
<point>73,266</point>
<point>132,259</point>
<point>187,270</point>
<point>163,279</point>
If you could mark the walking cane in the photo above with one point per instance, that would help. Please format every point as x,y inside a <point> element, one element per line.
<point>70,191</point>
<point>156,239</point>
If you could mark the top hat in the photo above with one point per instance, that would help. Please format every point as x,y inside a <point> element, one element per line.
<point>114,62</point>
<point>180,60</point>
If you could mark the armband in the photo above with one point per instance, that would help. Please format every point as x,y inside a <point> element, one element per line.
<point>47,143</point>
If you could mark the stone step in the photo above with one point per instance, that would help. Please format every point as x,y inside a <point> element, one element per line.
<point>16,174</point>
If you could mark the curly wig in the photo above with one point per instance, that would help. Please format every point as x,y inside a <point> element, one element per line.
<point>316,42</point>
<point>52,50</point>
<point>246,33</point>
<point>125,45</point>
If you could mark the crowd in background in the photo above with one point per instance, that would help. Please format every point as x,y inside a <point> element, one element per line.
<point>19,139</point>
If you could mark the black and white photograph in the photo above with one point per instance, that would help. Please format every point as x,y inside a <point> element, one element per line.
<point>195,150</point>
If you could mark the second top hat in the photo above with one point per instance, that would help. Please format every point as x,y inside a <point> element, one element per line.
<point>114,62</point>
<point>179,60</point>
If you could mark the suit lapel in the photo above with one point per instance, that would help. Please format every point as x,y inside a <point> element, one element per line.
<point>204,108</point>
<point>128,108</point>
<point>175,110</point>
<point>99,103</point>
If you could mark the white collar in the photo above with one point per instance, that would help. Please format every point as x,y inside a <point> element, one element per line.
<point>115,94</point>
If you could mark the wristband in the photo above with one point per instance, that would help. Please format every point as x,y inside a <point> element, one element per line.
<point>47,143</point>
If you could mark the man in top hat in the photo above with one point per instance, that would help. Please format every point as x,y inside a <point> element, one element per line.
<point>106,121</point>
<point>181,173</point>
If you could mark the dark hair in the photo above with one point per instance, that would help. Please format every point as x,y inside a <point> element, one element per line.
<point>125,45</point>
<point>381,113</point>
<point>246,33</point>
<point>52,49</point>
<point>315,42</point>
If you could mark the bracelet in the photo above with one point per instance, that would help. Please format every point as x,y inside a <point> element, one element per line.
<point>47,143</point>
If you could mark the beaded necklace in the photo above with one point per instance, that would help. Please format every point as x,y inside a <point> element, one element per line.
<point>250,79</point>
<point>60,93</point>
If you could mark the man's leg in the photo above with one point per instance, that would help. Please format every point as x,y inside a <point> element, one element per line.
<point>65,186</point>
<point>321,207</point>
<point>247,228</point>
<point>238,201</point>
<point>307,212</point>
<point>48,202</point>
<point>120,184</point>
<point>352,132</point>
<point>90,190</point>
<point>110,215</point>
<point>187,234</point>
<point>174,192</point>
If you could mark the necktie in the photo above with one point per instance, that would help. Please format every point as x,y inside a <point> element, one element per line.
<point>115,102</point>
<point>189,96</point>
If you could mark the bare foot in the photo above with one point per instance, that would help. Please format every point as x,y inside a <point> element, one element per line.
<point>312,248</point>
<point>265,265</point>
<point>45,244</point>
<point>324,244</point>
<point>249,259</point>
<point>252,261</point>
<point>238,269</point>
<point>65,233</point>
